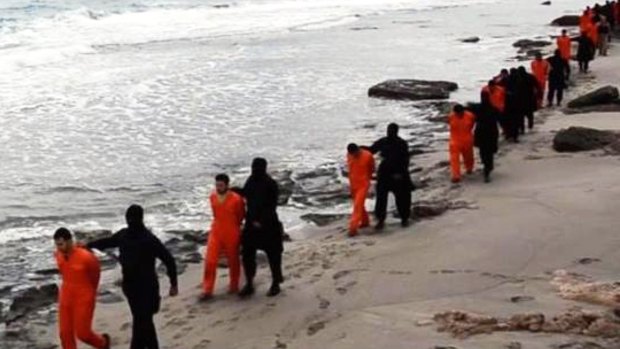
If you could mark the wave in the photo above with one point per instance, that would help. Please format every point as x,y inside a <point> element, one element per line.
<point>29,221</point>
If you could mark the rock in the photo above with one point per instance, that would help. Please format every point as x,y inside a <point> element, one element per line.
<point>286,186</point>
<point>520,299</point>
<point>192,258</point>
<point>109,297</point>
<point>566,21</point>
<point>575,139</point>
<point>47,272</point>
<point>528,44</point>
<point>428,209</point>
<point>181,268</point>
<point>323,219</point>
<point>179,247</point>
<point>286,237</point>
<point>195,236</point>
<point>603,95</point>
<point>601,108</point>
<point>221,6</point>
<point>546,3</point>
<point>513,345</point>
<point>364,28</point>
<point>413,89</point>
<point>321,187</point>
<point>472,40</point>
<point>30,300</point>
<point>91,235</point>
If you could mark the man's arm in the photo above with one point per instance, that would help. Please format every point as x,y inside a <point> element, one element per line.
<point>105,243</point>
<point>376,146</point>
<point>162,253</point>
<point>93,268</point>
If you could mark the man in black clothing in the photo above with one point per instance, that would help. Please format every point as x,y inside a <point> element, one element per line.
<point>557,78</point>
<point>585,52</point>
<point>263,230</point>
<point>138,249</point>
<point>393,176</point>
<point>529,90</point>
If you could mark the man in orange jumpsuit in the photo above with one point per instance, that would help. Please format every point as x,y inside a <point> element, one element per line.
<point>361,165</point>
<point>585,20</point>
<point>228,213</point>
<point>565,47</point>
<point>497,95</point>
<point>461,141</point>
<point>540,69</point>
<point>80,272</point>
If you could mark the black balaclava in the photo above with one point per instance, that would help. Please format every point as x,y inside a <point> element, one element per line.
<point>135,217</point>
<point>259,167</point>
<point>392,130</point>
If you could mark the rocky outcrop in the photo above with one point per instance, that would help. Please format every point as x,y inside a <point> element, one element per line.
<point>30,300</point>
<point>91,235</point>
<point>566,21</point>
<point>603,95</point>
<point>320,187</point>
<point>432,208</point>
<point>472,40</point>
<point>601,108</point>
<point>195,236</point>
<point>323,219</point>
<point>527,44</point>
<point>575,139</point>
<point>413,89</point>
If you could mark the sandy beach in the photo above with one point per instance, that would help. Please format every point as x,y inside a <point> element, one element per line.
<point>544,212</point>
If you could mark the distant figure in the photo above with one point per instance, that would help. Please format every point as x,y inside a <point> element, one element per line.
<point>393,176</point>
<point>592,30</point>
<point>557,78</point>
<point>138,250</point>
<point>502,78</point>
<point>461,141</point>
<point>228,210</point>
<point>486,133</point>
<point>529,90</point>
<point>585,21</point>
<point>262,230</point>
<point>361,165</point>
<point>540,69</point>
<point>604,31</point>
<point>80,271</point>
<point>497,97</point>
<point>585,52</point>
<point>515,106</point>
<point>565,46</point>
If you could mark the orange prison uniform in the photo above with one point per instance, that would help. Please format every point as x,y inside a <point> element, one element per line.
<point>361,168</point>
<point>461,142</point>
<point>76,302</point>
<point>564,45</point>
<point>540,69</point>
<point>225,234</point>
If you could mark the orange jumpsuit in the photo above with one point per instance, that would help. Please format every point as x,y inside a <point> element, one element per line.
<point>584,22</point>
<point>564,45</point>
<point>461,142</point>
<point>498,97</point>
<point>76,301</point>
<point>225,234</point>
<point>540,69</point>
<point>592,31</point>
<point>361,168</point>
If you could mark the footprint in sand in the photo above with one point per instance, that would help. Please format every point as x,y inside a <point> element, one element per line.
<point>521,299</point>
<point>344,289</point>
<point>587,260</point>
<point>316,327</point>
<point>176,322</point>
<point>204,344</point>
<point>125,326</point>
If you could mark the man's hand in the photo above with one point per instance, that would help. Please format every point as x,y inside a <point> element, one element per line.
<point>174,291</point>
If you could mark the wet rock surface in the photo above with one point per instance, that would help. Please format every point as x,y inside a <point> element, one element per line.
<point>30,300</point>
<point>566,21</point>
<point>527,44</point>
<point>471,40</point>
<point>603,95</point>
<point>413,89</point>
<point>324,219</point>
<point>576,139</point>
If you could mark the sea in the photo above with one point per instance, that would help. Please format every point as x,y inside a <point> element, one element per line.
<point>105,103</point>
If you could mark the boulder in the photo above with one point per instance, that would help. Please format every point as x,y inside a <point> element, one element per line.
<point>286,186</point>
<point>566,21</point>
<point>472,40</point>
<point>601,108</point>
<point>413,89</point>
<point>91,235</point>
<point>320,187</point>
<point>180,247</point>
<point>191,258</point>
<point>546,3</point>
<point>428,209</point>
<point>575,139</point>
<point>603,95</point>
<point>195,236</point>
<point>364,28</point>
<point>323,219</point>
<point>30,300</point>
<point>526,44</point>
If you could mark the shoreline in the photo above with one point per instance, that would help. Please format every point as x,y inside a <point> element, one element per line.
<point>326,249</point>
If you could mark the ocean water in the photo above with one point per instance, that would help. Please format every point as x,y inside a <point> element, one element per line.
<point>108,103</point>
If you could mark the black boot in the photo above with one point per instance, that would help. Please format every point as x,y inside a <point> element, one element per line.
<point>274,290</point>
<point>247,291</point>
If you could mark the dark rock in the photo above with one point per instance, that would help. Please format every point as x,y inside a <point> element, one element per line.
<point>109,297</point>
<point>546,3</point>
<point>286,237</point>
<point>601,108</point>
<point>47,272</point>
<point>566,21</point>
<point>603,95</point>
<point>521,299</point>
<point>323,219</point>
<point>30,300</point>
<point>222,6</point>
<point>413,89</point>
<point>91,235</point>
<point>472,40</point>
<point>181,268</point>
<point>320,187</point>
<point>428,209</point>
<point>587,260</point>
<point>195,236</point>
<point>286,186</point>
<point>528,44</point>
<point>576,139</point>
<point>514,345</point>
<point>192,258</point>
<point>179,247</point>
<point>364,28</point>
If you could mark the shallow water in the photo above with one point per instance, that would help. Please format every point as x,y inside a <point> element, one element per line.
<point>107,103</point>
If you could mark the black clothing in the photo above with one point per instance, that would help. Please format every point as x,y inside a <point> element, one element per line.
<point>557,79</point>
<point>138,250</point>
<point>585,52</point>
<point>261,197</point>
<point>486,135</point>
<point>393,176</point>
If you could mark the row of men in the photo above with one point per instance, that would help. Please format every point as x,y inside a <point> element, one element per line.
<point>599,22</point>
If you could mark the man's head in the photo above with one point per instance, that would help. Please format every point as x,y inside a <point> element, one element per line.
<point>491,83</point>
<point>564,32</point>
<point>259,167</point>
<point>222,181</point>
<point>392,130</point>
<point>504,72</point>
<point>63,240</point>
<point>459,109</point>
<point>135,216</point>
<point>522,70</point>
<point>353,149</point>
<point>538,56</point>
<point>557,53</point>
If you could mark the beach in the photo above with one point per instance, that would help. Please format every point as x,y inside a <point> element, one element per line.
<point>494,252</point>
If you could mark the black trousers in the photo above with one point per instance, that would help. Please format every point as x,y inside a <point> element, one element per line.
<point>401,188</point>
<point>555,90</point>
<point>274,256</point>
<point>529,116</point>
<point>584,66</point>
<point>143,306</point>
<point>486,156</point>
<point>514,122</point>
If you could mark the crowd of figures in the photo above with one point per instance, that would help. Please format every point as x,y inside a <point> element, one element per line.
<point>245,219</point>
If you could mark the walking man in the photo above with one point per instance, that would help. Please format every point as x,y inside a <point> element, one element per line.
<point>361,167</point>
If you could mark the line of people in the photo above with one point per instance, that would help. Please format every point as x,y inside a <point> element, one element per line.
<point>244,220</point>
